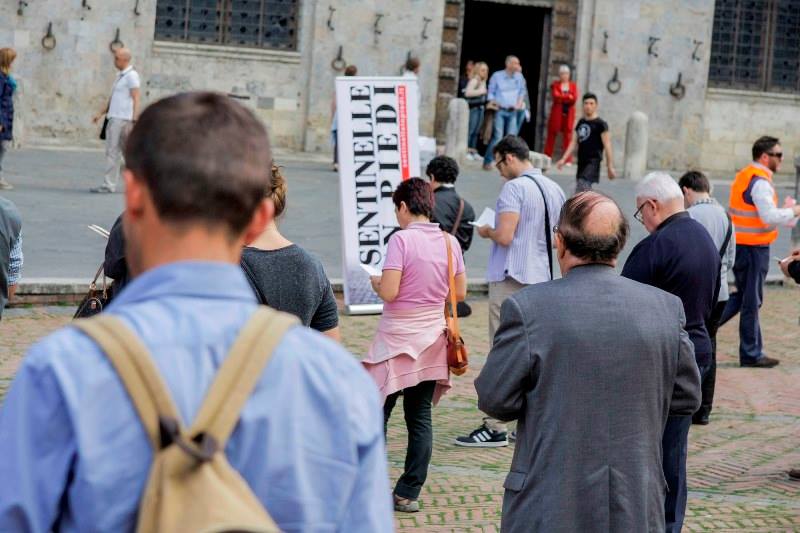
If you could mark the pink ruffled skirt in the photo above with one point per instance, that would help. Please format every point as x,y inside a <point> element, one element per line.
<point>409,347</point>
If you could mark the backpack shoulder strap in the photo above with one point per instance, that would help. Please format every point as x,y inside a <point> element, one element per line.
<point>459,215</point>
<point>135,369</point>
<point>239,373</point>
<point>728,233</point>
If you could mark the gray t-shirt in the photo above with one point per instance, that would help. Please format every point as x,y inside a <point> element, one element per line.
<point>712,216</point>
<point>294,281</point>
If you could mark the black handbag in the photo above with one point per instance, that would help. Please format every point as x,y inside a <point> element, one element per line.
<point>103,129</point>
<point>476,101</point>
<point>96,299</point>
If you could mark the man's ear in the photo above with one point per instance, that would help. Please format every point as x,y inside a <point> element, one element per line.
<point>135,195</point>
<point>561,248</point>
<point>263,215</point>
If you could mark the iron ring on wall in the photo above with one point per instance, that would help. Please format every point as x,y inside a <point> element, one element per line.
<point>614,85</point>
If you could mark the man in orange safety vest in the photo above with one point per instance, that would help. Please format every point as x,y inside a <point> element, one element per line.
<point>756,217</point>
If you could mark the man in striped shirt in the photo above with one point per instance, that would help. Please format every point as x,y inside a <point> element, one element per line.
<point>10,251</point>
<point>520,255</point>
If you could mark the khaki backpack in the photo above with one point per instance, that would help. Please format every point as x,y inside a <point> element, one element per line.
<point>191,486</point>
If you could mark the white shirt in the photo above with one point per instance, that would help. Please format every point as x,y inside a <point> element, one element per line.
<point>121,104</point>
<point>764,199</point>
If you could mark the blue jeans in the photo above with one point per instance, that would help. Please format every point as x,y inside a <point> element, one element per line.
<point>674,444</point>
<point>750,271</point>
<point>475,121</point>
<point>520,120</point>
<point>505,123</point>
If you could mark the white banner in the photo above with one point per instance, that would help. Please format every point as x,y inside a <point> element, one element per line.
<point>377,128</point>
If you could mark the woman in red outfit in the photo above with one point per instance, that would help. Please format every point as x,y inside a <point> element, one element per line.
<point>562,114</point>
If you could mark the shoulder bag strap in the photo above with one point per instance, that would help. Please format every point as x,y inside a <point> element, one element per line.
<point>252,280</point>
<point>728,233</point>
<point>547,228</point>
<point>238,375</point>
<point>460,214</point>
<point>452,315</point>
<point>113,87</point>
<point>135,369</point>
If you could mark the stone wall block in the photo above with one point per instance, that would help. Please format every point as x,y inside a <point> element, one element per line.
<point>457,129</point>
<point>636,146</point>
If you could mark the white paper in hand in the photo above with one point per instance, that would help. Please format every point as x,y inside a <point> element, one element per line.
<point>372,270</point>
<point>486,218</point>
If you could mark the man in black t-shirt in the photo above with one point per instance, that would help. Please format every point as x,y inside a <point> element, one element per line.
<point>592,139</point>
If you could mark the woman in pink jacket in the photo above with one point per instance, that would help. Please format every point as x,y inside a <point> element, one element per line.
<point>409,352</point>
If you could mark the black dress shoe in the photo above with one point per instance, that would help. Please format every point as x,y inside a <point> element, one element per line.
<point>763,362</point>
<point>794,473</point>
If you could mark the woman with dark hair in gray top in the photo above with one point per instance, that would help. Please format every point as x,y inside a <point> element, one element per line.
<point>286,277</point>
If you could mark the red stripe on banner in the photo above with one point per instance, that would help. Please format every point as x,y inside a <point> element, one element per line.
<point>402,106</point>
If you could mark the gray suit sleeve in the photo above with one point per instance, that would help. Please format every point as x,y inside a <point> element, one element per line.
<point>686,393</point>
<point>506,376</point>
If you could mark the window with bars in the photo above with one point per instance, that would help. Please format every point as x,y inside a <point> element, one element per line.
<point>756,45</point>
<point>252,23</point>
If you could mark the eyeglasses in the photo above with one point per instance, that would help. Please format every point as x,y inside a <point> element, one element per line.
<point>638,214</point>
<point>499,162</point>
<point>779,155</point>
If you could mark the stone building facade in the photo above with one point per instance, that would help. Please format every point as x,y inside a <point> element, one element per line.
<point>712,75</point>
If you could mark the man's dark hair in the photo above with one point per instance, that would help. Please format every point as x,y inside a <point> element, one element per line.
<point>589,96</point>
<point>763,145</point>
<point>696,181</point>
<point>443,169</point>
<point>417,194</point>
<point>203,157</point>
<point>598,248</point>
<point>512,144</point>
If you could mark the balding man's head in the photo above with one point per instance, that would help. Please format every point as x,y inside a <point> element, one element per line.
<point>592,229</point>
<point>122,58</point>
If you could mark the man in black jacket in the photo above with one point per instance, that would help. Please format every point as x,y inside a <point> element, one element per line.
<point>449,209</point>
<point>679,257</point>
<point>791,268</point>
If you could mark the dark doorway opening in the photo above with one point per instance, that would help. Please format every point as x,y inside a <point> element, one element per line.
<point>494,30</point>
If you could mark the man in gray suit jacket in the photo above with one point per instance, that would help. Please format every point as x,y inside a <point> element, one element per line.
<point>591,381</point>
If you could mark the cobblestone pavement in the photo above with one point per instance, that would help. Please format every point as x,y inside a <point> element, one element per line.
<point>737,463</point>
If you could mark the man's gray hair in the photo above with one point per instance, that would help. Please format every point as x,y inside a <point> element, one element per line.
<point>509,58</point>
<point>658,186</point>
<point>564,68</point>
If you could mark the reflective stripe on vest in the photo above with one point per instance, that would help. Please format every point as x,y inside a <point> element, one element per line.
<point>768,229</point>
<point>742,213</point>
<point>750,229</point>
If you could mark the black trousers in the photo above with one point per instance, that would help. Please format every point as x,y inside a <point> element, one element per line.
<point>710,379</point>
<point>417,403</point>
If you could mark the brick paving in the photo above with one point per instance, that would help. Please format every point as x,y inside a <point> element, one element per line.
<point>737,464</point>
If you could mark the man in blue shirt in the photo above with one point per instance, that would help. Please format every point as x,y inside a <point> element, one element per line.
<point>309,442</point>
<point>507,94</point>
